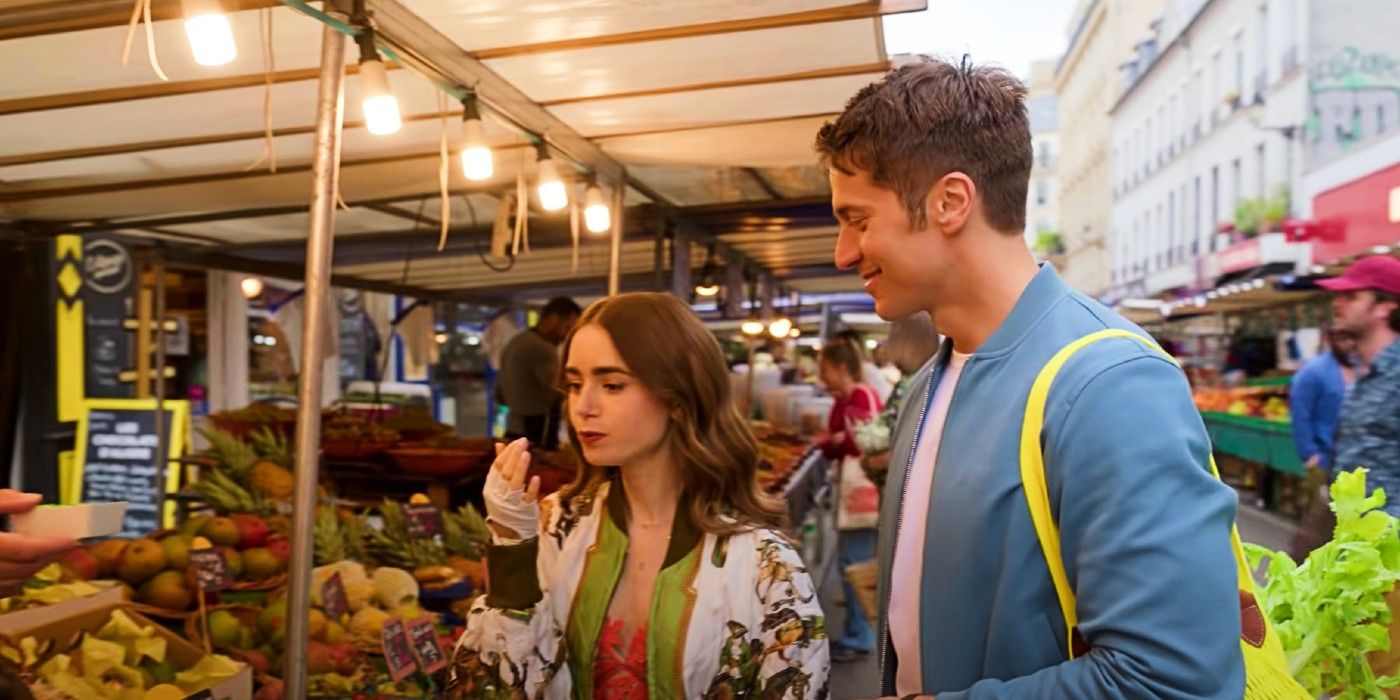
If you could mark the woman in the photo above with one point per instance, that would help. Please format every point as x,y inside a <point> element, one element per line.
<point>858,500</point>
<point>913,341</point>
<point>660,571</point>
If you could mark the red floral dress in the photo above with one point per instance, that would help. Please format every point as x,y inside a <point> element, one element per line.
<point>620,671</point>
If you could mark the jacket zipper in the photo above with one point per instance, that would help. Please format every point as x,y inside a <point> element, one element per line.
<point>885,641</point>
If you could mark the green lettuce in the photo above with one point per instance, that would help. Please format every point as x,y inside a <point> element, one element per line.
<point>1330,611</point>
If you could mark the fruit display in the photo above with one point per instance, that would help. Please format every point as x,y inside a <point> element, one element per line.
<point>55,584</point>
<point>779,452</point>
<point>1266,402</point>
<point>122,659</point>
<point>157,567</point>
<point>350,436</point>
<point>246,477</point>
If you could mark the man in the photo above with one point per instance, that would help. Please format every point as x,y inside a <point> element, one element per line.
<point>1315,398</point>
<point>929,170</point>
<point>1366,302</point>
<point>529,378</point>
<point>1314,401</point>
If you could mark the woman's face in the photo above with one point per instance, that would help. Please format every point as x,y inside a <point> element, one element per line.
<point>617,419</point>
<point>832,376</point>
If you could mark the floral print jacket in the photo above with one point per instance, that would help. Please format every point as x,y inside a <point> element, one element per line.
<point>731,617</point>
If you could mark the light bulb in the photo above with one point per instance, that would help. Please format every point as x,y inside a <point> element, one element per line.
<point>380,106</point>
<point>796,333</point>
<point>209,33</point>
<point>780,328</point>
<point>440,338</point>
<point>706,290</point>
<point>553,196</point>
<point>476,154</point>
<point>252,287</point>
<point>596,214</point>
<point>752,326</point>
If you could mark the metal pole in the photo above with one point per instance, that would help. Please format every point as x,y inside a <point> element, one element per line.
<point>330,114</point>
<point>615,257</point>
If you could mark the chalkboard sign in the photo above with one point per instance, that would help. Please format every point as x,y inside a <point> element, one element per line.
<point>398,653</point>
<point>333,597</point>
<point>107,293</point>
<point>422,520</point>
<point>426,645</point>
<point>210,570</point>
<point>121,460</point>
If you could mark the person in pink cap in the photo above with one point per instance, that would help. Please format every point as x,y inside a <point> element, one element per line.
<point>1366,303</point>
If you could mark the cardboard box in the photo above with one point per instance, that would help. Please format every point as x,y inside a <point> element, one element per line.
<point>29,618</point>
<point>63,624</point>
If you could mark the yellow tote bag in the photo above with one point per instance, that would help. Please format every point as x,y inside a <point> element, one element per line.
<point>1266,671</point>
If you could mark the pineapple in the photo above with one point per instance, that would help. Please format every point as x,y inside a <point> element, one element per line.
<point>226,495</point>
<point>273,447</point>
<point>464,533</point>
<point>232,454</point>
<point>391,545</point>
<point>271,480</point>
<point>328,541</point>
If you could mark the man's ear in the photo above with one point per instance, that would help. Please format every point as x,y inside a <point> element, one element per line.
<point>950,202</point>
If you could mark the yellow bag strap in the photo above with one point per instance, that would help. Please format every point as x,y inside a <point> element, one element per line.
<point>1038,495</point>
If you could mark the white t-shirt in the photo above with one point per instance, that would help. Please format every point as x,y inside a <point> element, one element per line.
<point>909,549</point>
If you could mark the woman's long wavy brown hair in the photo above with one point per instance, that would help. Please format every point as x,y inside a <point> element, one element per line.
<point>671,353</point>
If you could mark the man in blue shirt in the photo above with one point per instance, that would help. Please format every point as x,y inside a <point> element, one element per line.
<point>1315,398</point>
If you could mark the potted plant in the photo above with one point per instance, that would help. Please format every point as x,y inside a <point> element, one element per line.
<point>1247,217</point>
<point>1274,210</point>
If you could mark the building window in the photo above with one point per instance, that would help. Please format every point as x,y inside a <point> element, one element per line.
<point>1171,228</point>
<point>1214,203</point>
<point>1217,85</point>
<point>1239,67</point>
<point>1263,42</point>
<point>1381,126</point>
<point>1236,184</point>
<point>1196,219</point>
<point>1259,153</point>
<point>1042,192</point>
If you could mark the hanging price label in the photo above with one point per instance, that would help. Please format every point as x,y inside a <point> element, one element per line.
<point>398,653</point>
<point>423,633</point>
<point>423,520</point>
<point>333,597</point>
<point>210,570</point>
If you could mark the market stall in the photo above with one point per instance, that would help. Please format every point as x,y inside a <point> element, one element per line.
<point>644,120</point>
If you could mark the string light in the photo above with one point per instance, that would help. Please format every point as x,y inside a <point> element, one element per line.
<point>553,195</point>
<point>707,286</point>
<point>477,162</point>
<point>780,328</point>
<point>208,30</point>
<point>597,216</point>
<point>381,108</point>
<point>753,326</point>
<point>252,287</point>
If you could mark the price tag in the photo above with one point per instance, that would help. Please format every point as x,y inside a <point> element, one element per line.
<point>210,570</point>
<point>333,597</point>
<point>398,653</point>
<point>423,520</point>
<point>423,633</point>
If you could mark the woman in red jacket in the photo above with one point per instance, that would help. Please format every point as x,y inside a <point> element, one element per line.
<point>858,500</point>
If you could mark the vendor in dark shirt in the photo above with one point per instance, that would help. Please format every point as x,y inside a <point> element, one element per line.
<point>529,373</point>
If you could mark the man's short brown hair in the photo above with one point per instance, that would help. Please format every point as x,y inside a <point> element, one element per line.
<point>930,118</point>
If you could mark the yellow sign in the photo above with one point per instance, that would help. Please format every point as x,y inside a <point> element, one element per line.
<point>118,460</point>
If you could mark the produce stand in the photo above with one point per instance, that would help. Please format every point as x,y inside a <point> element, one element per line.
<point>1259,440</point>
<point>172,180</point>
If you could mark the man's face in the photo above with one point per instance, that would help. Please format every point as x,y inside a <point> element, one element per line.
<point>1358,312</point>
<point>901,266</point>
<point>1343,344</point>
